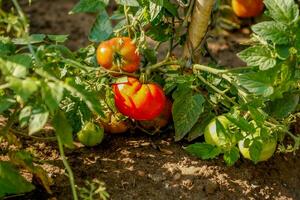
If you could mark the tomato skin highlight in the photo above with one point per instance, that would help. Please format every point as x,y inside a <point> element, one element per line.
<point>268,149</point>
<point>162,120</point>
<point>211,133</point>
<point>118,54</point>
<point>247,8</point>
<point>139,101</point>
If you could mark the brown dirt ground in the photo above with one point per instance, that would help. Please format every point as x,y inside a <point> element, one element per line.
<point>138,166</point>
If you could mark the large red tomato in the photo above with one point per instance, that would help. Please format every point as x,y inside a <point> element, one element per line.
<point>247,8</point>
<point>139,101</point>
<point>118,54</point>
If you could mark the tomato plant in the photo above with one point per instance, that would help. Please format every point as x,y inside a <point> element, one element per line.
<point>118,54</point>
<point>139,101</point>
<point>43,82</point>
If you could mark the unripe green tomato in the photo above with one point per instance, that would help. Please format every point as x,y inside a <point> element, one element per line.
<point>91,134</point>
<point>211,134</point>
<point>268,149</point>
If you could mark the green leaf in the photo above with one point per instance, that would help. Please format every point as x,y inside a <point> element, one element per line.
<point>203,150</point>
<point>18,65</point>
<point>285,11</point>
<point>272,31</point>
<point>259,83</point>
<point>255,150</point>
<point>90,6</point>
<point>24,116</point>
<point>132,3</point>
<point>230,157</point>
<point>88,97</point>
<point>58,38</point>
<point>63,129</point>
<point>38,119</point>
<point>199,127</point>
<point>258,117</point>
<point>186,111</point>
<point>52,94</point>
<point>6,47</point>
<point>102,28</point>
<point>11,181</point>
<point>5,103</point>
<point>160,32</point>
<point>258,56</point>
<point>281,108</point>
<point>24,88</point>
<point>171,8</point>
<point>242,123</point>
<point>32,39</point>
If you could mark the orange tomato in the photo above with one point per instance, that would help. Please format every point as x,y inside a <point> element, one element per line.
<point>247,8</point>
<point>118,54</point>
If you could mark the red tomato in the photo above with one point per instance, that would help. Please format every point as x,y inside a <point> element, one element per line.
<point>118,54</point>
<point>162,120</point>
<point>139,101</point>
<point>247,8</point>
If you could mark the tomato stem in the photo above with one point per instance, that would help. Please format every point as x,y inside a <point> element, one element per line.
<point>126,9</point>
<point>68,168</point>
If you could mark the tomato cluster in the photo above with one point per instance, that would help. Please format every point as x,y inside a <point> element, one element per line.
<point>145,102</point>
<point>215,131</point>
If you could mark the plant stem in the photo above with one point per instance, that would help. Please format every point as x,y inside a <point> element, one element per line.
<point>21,14</point>
<point>127,20</point>
<point>68,168</point>
<point>216,89</point>
<point>4,86</point>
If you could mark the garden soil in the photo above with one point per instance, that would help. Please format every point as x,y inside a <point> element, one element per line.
<point>143,167</point>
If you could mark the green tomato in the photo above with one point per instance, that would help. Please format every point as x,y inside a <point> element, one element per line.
<point>91,134</point>
<point>268,149</point>
<point>212,134</point>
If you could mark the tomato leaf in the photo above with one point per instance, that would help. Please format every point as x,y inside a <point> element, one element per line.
<point>11,181</point>
<point>5,103</point>
<point>89,6</point>
<point>203,150</point>
<point>32,39</point>
<point>38,119</point>
<point>186,111</point>
<point>230,157</point>
<point>259,83</point>
<point>102,28</point>
<point>58,38</point>
<point>132,3</point>
<point>285,11</point>
<point>281,108</point>
<point>255,150</point>
<point>63,129</point>
<point>272,31</point>
<point>259,56</point>
<point>23,87</point>
<point>52,94</point>
<point>199,127</point>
